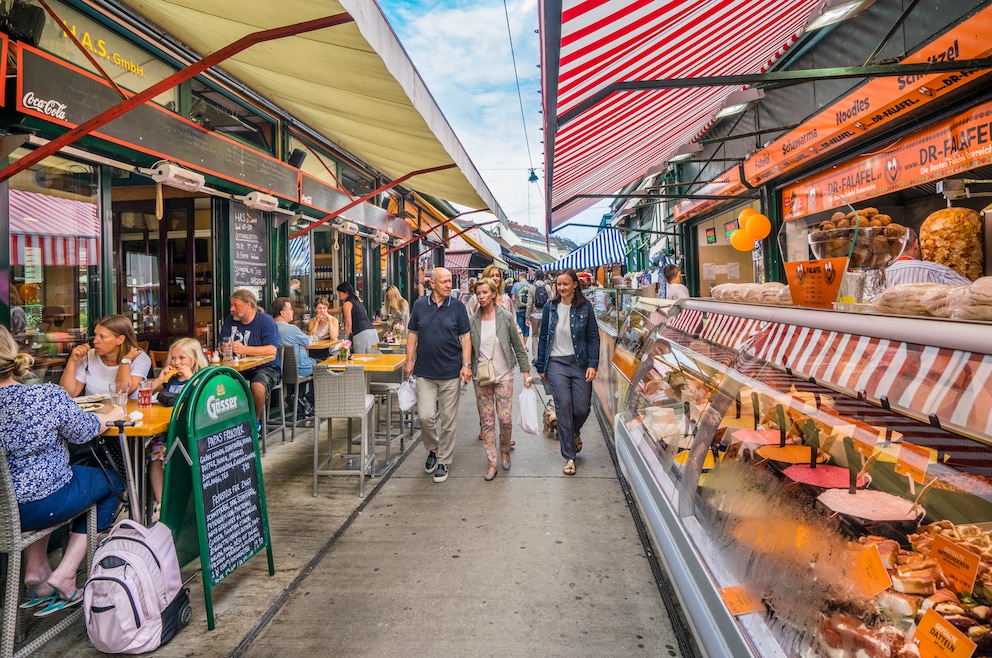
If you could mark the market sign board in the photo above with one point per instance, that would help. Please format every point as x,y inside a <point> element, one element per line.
<point>946,148</point>
<point>815,283</point>
<point>877,102</point>
<point>727,184</point>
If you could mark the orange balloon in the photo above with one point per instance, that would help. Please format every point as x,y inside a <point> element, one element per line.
<point>758,226</point>
<point>747,212</point>
<point>741,240</point>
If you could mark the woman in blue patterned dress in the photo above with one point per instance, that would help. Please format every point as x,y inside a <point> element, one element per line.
<point>36,425</point>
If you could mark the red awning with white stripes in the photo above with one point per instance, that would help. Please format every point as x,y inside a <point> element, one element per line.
<point>591,44</point>
<point>48,230</point>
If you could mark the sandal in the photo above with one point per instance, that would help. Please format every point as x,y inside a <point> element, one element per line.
<point>38,599</point>
<point>578,443</point>
<point>490,474</point>
<point>569,467</point>
<point>60,604</point>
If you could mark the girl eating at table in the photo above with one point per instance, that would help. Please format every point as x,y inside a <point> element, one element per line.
<point>185,358</point>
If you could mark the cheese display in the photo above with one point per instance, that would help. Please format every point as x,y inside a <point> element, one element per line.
<point>953,237</point>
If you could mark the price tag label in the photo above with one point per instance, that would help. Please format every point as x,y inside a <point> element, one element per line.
<point>938,638</point>
<point>871,577</point>
<point>740,600</point>
<point>959,565</point>
<point>913,461</point>
<point>865,438</point>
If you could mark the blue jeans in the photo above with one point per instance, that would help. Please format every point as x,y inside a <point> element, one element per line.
<point>522,322</point>
<point>88,486</point>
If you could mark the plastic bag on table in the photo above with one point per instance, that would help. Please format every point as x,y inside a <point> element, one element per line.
<point>407,394</point>
<point>530,411</point>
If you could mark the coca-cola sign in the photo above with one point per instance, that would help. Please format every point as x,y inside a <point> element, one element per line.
<point>51,108</point>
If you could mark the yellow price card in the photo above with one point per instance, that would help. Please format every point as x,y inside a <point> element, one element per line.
<point>871,577</point>
<point>913,461</point>
<point>938,638</point>
<point>740,600</point>
<point>959,565</point>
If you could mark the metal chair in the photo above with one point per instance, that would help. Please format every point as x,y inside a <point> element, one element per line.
<point>340,392</point>
<point>291,377</point>
<point>385,387</point>
<point>266,428</point>
<point>12,542</point>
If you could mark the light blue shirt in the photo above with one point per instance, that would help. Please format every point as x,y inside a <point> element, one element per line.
<point>922,271</point>
<point>291,335</point>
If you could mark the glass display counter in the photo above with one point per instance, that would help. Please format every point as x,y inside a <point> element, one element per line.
<point>814,488</point>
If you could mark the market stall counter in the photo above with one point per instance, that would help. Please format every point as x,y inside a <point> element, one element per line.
<point>817,483</point>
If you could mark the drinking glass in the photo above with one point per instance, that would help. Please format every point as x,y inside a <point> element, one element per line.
<point>118,393</point>
<point>226,351</point>
<point>145,393</point>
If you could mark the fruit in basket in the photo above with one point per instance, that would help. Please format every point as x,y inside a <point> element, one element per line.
<point>953,237</point>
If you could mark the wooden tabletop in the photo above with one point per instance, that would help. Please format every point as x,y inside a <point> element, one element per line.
<point>155,419</point>
<point>324,344</point>
<point>246,362</point>
<point>371,362</point>
<point>400,344</point>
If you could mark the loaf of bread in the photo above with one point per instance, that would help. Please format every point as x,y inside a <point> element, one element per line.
<point>953,237</point>
<point>905,299</point>
<point>941,301</point>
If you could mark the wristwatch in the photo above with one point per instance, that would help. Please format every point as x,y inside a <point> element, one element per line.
<point>466,365</point>
<point>125,360</point>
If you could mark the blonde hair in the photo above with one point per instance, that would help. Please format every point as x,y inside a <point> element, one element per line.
<point>12,363</point>
<point>193,350</point>
<point>119,325</point>
<point>488,274</point>
<point>395,301</point>
<point>487,281</point>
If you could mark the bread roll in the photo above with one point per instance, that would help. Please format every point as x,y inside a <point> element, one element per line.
<point>953,237</point>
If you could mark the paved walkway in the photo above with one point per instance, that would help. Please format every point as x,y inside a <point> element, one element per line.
<point>533,563</point>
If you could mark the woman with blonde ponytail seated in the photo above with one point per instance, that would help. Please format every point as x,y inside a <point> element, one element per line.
<point>36,425</point>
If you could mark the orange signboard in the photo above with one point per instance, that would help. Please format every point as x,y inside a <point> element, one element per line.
<point>726,184</point>
<point>815,283</point>
<point>958,144</point>
<point>959,565</point>
<point>870,577</point>
<point>877,102</point>
<point>740,600</point>
<point>938,638</point>
<point>913,461</point>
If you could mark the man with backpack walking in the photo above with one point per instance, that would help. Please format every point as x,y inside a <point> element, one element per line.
<point>520,294</point>
<point>537,297</point>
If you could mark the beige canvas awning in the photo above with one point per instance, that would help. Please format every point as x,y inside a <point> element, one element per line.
<point>352,83</point>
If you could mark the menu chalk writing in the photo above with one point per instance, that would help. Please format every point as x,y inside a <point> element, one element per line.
<point>250,246</point>
<point>231,505</point>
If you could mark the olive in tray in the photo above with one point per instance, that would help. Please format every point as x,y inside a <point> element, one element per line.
<point>876,241</point>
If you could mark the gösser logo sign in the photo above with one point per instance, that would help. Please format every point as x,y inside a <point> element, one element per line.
<point>50,108</point>
<point>217,406</point>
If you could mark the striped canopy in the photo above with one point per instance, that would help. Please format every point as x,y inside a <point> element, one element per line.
<point>607,248</point>
<point>599,138</point>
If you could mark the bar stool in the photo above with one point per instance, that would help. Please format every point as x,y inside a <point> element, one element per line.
<point>340,392</point>
<point>266,428</point>
<point>291,377</point>
<point>12,542</point>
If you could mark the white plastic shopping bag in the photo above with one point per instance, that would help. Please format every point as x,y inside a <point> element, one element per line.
<point>407,394</point>
<point>530,414</point>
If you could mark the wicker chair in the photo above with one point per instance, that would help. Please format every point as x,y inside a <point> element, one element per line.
<point>291,377</point>
<point>12,542</point>
<point>340,392</point>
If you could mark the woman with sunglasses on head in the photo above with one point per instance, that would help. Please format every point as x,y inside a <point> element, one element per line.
<point>567,358</point>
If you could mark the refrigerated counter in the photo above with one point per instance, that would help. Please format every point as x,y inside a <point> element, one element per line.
<point>795,466</point>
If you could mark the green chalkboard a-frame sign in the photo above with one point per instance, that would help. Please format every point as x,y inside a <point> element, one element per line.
<point>214,501</point>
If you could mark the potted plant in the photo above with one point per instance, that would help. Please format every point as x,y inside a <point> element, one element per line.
<point>344,350</point>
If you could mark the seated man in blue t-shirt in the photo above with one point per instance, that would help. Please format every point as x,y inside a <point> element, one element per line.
<point>293,337</point>
<point>253,333</point>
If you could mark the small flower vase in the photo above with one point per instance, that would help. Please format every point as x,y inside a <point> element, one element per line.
<point>343,354</point>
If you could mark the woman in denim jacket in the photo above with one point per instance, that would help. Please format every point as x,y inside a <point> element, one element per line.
<point>567,358</point>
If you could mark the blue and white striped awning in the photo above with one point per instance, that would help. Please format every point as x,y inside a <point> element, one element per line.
<point>607,248</point>
<point>299,256</point>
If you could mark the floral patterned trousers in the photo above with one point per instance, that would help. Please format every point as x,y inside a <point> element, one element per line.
<point>495,400</point>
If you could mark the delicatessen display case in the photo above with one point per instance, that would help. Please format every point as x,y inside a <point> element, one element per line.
<point>817,483</point>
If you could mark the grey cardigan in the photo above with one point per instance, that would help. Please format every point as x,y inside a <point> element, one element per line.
<point>506,333</point>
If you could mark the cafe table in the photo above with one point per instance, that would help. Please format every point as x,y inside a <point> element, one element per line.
<point>324,344</point>
<point>246,362</point>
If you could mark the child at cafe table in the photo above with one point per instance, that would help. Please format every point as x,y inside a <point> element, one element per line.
<point>253,333</point>
<point>185,358</point>
<point>114,357</point>
<point>36,425</point>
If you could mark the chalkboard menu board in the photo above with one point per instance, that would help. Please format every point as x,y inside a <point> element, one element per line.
<point>214,501</point>
<point>250,247</point>
<point>229,478</point>
<point>64,94</point>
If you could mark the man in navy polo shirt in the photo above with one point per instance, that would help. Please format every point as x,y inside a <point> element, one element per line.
<point>439,354</point>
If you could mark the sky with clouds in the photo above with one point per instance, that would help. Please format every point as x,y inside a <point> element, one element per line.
<point>462,49</point>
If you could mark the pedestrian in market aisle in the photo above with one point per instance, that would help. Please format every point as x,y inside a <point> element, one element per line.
<point>675,288</point>
<point>520,293</point>
<point>253,333</point>
<point>496,346</point>
<point>540,293</point>
<point>567,358</point>
<point>438,353</point>
<point>911,268</point>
